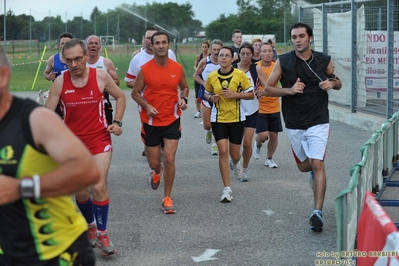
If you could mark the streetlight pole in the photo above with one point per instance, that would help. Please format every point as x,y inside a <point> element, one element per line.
<point>49,29</point>
<point>145,13</point>
<point>30,32</point>
<point>285,27</point>
<point>5,27</point>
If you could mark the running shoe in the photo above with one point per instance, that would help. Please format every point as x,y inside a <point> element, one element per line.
<point>256,151</point>
<point>208,137</point>
<point>92,235</point>
<point>311,179</point>
<point>237,169</point>
<point>167,206</point>
<point>155,179</point>
<point>198,115</point>
<point>106,246</point>
<point>316,221</point>
<point>270,163</point>
<point>214,149</point>
<point>226,197</point>
<point>244,175</point>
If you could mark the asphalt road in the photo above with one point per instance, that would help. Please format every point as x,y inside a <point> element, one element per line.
<point>265,224</point>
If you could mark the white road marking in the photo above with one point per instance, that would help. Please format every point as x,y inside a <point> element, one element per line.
<point>206,255</point>
<point>268,212</point>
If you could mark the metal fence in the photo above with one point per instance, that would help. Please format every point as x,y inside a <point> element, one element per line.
<point>362,37</point>
<point>380,156</point>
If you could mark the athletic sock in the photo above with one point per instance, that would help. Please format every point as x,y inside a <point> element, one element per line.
<point>100,209</point>
<point>86,208</point>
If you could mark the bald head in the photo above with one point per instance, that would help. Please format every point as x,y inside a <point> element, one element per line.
<point>93,39</point>
<point>4,60</point>
<point>5,74</point>
<point>93,46</point>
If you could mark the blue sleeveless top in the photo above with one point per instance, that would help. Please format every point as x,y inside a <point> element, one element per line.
<point>58,66</point>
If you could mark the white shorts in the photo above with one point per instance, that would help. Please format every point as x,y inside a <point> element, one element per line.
<point>206,104</point>
<point>310,143</point>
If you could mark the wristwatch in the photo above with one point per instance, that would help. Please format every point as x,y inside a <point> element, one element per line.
<point>117,122</point>
<point>185,99</point>
<point>26,188</point>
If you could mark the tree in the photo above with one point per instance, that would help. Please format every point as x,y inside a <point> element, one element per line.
<point>95,13</point>
<point>244,6</point>
<point>263,17</point>
<point>178,21</point>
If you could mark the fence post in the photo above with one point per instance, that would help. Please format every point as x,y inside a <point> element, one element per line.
<point>390,39</point>
<point>325,28</point>
<point>354,56</point>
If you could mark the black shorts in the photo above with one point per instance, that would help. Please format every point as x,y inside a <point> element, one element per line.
<point>153,136</point>
<point>269,122</point>
<point>196,88</point>
<point>231,131</point>
<point>251,120</point>
<point>80,250</point>
<point>58,111</point>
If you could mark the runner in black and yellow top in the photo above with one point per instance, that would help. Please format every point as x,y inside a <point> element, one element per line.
<point>226,87</point>
<point>41,163</point>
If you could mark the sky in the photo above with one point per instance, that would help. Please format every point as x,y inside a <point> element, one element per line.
<point>204,10</point>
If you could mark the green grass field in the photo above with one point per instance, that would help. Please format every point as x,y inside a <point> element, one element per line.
<point>25,68</point>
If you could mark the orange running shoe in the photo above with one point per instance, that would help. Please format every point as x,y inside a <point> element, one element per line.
<point>92,235</point>
<point>167,206</point>
<point>155,179</point>
<point>106,246</point>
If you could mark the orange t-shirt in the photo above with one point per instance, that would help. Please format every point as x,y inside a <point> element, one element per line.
<point>268,104</point>
<point>161,91</point>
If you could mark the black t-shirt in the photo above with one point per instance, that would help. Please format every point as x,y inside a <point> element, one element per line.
<point>310,108</point>
<point>236,51</point>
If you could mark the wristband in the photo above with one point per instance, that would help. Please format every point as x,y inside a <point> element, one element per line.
<point>26,188</point>
<point>36,186</point>
<point>119,123</point>
<point>210,97</point>
<point>185,99</point>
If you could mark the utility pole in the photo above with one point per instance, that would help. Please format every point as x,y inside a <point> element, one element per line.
<point>5,27</point>
<point>145,13</point>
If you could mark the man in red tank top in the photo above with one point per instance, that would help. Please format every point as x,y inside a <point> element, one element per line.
<point>160,111</point>
<point>80,93</point>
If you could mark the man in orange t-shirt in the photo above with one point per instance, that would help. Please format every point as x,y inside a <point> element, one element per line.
<point>269,119</point>
<point>156,91</point>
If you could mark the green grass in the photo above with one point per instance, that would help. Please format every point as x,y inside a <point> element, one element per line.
<point>187,61</point>
<point>25,68</point>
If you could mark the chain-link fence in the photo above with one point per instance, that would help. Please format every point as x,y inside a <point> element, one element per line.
<point>362,38</point>
<point>28,34</point>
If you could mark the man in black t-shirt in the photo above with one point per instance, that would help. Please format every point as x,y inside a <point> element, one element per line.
<point>237,40</point>
<point>306,76</point>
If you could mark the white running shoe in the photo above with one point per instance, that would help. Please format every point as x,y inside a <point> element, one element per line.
<point>226,197</point>
<point>214,149</point>
<point>256,151</point>
<point>198,115</point>
<point>208,137</point>
<point>270,163</point>
<point>244,175</point>
<point>237,169</point>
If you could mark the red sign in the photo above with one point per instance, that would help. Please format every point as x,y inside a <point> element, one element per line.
<point>377,235</point>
